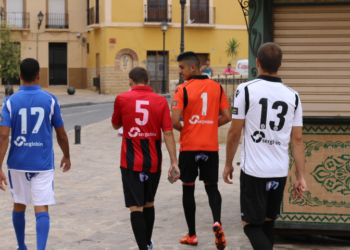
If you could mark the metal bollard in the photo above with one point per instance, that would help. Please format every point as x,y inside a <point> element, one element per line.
<point>77,129</point>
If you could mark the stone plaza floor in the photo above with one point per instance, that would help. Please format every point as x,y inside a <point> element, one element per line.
<point>90,213</point>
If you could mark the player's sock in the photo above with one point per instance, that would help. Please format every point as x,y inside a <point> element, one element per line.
<point>257,237</point>
<point>139,227</point>
<point>149,215</point>
<point>42,229</point>
<point>269,230</point>
<point>189,205</point>
<point>214,201</point>
<point>19,223</point>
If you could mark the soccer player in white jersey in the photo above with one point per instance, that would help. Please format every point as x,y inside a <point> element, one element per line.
<point>30,114</point>
<point>271,115</point>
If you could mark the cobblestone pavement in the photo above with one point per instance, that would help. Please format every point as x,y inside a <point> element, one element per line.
<point>90,212</point>
<point>81,96</point>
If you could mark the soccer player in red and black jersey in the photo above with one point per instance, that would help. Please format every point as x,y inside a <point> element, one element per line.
<point>143,114</point>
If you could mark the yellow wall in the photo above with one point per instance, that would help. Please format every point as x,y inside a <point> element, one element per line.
<point>131,32</point>
<point>141,40</point>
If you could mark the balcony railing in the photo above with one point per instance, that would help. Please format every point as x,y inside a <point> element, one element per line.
<point>15,20</point>
<point>57,21</point>
<point>157,12</point>
<point>200,15</point>
<point>93,16</point>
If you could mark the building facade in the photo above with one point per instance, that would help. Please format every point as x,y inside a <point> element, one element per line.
<point>58,42</point>
<point>124,34</point>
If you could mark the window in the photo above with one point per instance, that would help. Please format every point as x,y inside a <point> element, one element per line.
<point>199,11</point>
<point>15,16</point>
<point>157,11</point>
<point>57,18</point>
<point>155,69</point>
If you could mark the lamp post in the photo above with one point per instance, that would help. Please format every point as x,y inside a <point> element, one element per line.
<point>182,44</point>
<point>164,27</point>
<point>41,18</point>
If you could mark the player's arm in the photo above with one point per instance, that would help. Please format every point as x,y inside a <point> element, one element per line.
<point>233,138</point>
<point>202,68</point>
<point>4,142</point>
<point>212,72</point>
<point>62,140</point>
<point>176,119</point>
<point>117,127</point>
<point>225,116</point>
<point>116,117</point>
<point>171,146</point>
<point>299,158</point>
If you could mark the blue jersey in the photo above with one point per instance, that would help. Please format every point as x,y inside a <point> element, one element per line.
<point>31,113</point>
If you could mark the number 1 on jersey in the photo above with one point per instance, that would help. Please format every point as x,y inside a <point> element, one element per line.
<point>204,96</point>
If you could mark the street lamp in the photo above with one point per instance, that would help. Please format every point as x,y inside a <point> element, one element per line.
<point>40,17</point>
<point>182,44</point>
<point>164,27</point>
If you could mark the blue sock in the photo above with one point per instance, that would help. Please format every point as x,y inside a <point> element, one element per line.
<point>42,229</point>
<point>19,223</point>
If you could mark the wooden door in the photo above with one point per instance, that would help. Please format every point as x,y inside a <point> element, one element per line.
<point>58,63</point>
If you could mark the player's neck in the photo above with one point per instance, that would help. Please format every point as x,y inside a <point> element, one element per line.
<point>267,73</point>
<point>29,83</point>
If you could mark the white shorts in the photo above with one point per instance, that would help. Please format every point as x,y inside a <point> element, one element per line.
<point>28,185</point>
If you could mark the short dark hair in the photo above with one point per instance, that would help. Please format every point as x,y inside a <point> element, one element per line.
<point>139,75</point>
<point>208,60</point>
<point>229,64</point>
<point>270,57</point>
<point>29,69</point>
<point>190,58</point>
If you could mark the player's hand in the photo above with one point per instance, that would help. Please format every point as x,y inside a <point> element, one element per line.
<point>299,189</point>
<point>2,179</point>
<point>65,163</point>
<point>171,170</point>
<point>228,171</point>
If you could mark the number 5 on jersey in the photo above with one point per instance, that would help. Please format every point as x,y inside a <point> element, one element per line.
<point>24,121</point>
<point>143,111</point>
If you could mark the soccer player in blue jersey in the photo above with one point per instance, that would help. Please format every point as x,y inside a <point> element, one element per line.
<point>30,114</point>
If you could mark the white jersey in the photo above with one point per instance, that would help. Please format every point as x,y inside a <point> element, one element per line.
<point>270,110</point>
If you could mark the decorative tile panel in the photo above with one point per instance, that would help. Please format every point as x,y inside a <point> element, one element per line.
<point>327,173</point>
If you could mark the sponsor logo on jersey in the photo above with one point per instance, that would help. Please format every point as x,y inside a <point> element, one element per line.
<point>196,119</point>
<point>177,90</point>
<point>135,131</point>
<point>237,92</point>
<point>201,157</point>
<point>235,111</point>
<point>259,136</point>
<point>272,184</point>
<point>175,103</point>
<point>22,141</point>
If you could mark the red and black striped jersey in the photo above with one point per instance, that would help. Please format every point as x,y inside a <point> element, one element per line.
<point>144,115</point>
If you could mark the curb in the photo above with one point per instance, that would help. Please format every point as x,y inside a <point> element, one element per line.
<point>71,105</point>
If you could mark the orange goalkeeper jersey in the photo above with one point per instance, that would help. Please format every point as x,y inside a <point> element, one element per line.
<point>200,100</point>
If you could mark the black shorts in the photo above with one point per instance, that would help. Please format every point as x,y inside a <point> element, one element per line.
<point>139,188</point>
<point>260,198</point>
<point>206,161</point>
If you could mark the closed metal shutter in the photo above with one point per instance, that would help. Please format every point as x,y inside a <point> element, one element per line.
<point>316,44</point>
